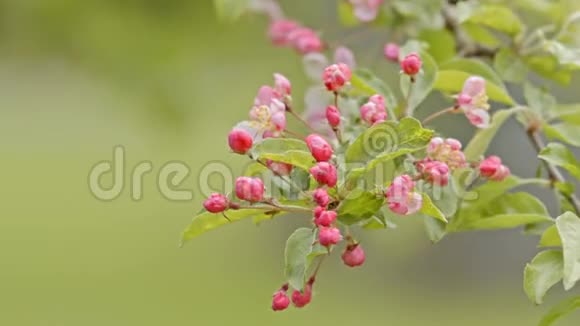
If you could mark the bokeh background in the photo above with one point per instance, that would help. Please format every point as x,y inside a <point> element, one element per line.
<point>166,81</point>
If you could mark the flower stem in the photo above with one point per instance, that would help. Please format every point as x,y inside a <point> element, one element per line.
<point>437,114</point>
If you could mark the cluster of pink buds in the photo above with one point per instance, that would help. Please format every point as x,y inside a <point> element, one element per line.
<point>434,172</point>
<point>250,189</point>
<point>391,52</point>
<point>492,169</point>
<point>289,33</point>
<point>402,198</point>
<point>336,76</point>
<point>281,301</point>
<point>374,111</point>
<point>447,151</point>
<point>411,64</point>
<point>366,10</point>
<point>473,101</point>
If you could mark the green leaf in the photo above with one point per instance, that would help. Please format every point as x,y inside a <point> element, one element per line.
<point>569,113</point>
<point>483,137</point>
<point>435,229</point>
<point>388,137</point>
<point>423,84</point>
<point>566,56</point>
<point>230,10</point>
<point>451,81</point>
<point>298,248</point>
<point>208,221</point>
<point>510,67</point>
<point>359,205</point>
<point>562,309</point>
<point>280,145</point>
<point>542,273</point>
<point>559,155</point>
<point>480,34</point>
<point>565,132</point>
<point>551,238</point>
<point>431,210</point>
<point>508,211</point>
<point>301,159</point>
<point>474,67</point>
<point>255,169</point>
<point>346,15</point>
<point>441,43</point>
<point>548,67</point>
<point>496,17</point>
<point>539,100</point>
<point>366,83</point>
<point>568,225</point>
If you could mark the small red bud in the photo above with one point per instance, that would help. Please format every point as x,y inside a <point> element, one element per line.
<point>320,197</point>
<point>333,116</point>
<point>326,218</point>
<point>319,147</point>
<point>324,173</point>
<point>250,189</point>
<point>353,255</point>
<point>328,236</point>
<point>301,299</point>
<point>280,300</point>
<point>411,64</point>
<point>240,141</point>
<point>216,203</point>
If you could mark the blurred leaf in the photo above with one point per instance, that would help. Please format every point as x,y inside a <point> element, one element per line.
<point>230,10</point>
<point>431,210</point>
<point>346,15</point>
<point>301,159</point>
<point>298,248</point>
<point>441,43</point>
<point>565,132</point>
<point>496,17</point>
<point>208,221</point>
<point>509,66</point>
<point>542,273</point>
<point>569,113</point>
<point>560,310</point>
<point>280,145</point>
<point>388,137</point>
<point>548,67</point>
<point>483,137</point>
<point>568,225</point>
<point>451,81</point>
<point>423,84</point>
<point>480,34</point>
<point>365,82</point>
<point>559,155</point>
<point>551,237</point>
<point>508,211</point>
<point>435,229</point>
<point>566,56</point>
<point>359,205</point>
<point>474,67</point>
<point>255,169</point>
<point>539,100</point>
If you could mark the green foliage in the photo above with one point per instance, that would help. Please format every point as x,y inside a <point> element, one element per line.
<point>568,225</point>
<point>482,139</point>
<point>431,210</point>
<point>230,10</point>
<point>285,150</point>
<point>359,205</point>
<point>497,17</point>
<point>559,155</point>
<point>551,237</point>
<point>560,310</point>
<point>539,100</point>
<point>364,82</point>
<point>542,273</point>
<point>346,14</point>
<point>299,247</point>
<point>208,221</point>
<point>510,66</point>
<point>441,44</point>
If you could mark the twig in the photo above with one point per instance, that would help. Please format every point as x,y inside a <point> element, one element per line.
<point>436,115</point>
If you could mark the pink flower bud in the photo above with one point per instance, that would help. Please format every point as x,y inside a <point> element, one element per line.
<point>320,197</point>
<point>317,211</point>
<point>240,141</point>
<point>353,255</point>
<point>473,101</point>
<point>493,169</point>
<point>333,116</point>
<point>392,52</point>
<point>326,218</point>
<point>328,236</point>
<point>305,40</point>
<point>279,168</point>
<point>411,64</point>
<point>319,147</point>
<point>366,10</point>
<point>374,111</point>
<point>478,117</point>
<point>216,203</point>
<point>401,198</point>
<point>336,76</point>
<point>250,189</point>
<point>434,172</point>
<point>279,120</point>
<point>282,86</point>
<point>454,144</point>
<point>345,55</point>
<point>279,31</point>
<point>280,301</point>
<point>325,174</point>
<point>301,299</point>
<point>447,151</point>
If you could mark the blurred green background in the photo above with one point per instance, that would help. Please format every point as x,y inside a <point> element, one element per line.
<point>166,81</point>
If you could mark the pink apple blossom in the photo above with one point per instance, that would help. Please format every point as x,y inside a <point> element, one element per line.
<point>374,111</point>
<point>325,174</point>
<point>493,169</point>
<point>366,10</point>
<point>473,101</point>
<point>336,76</point>
<point>401,198</point>
<point>391,52</point>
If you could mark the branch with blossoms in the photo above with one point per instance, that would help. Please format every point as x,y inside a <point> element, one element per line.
<point>355,125</point>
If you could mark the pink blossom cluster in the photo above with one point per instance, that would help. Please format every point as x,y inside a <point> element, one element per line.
<point>401,197</point>
<point>473,101</point>
<point>288,33</point>
<point>366,10</point>
<point>374,111</point>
